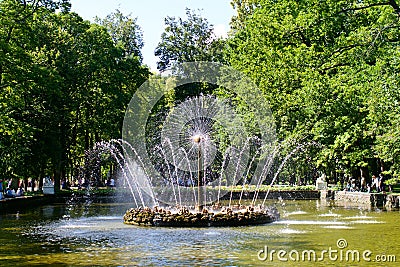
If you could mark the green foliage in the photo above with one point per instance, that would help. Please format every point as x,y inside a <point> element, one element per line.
<point>392,181</point>
<point>65,84</point>
<point>188,40</point>
<point>124,32</point>
<point>328,70</point>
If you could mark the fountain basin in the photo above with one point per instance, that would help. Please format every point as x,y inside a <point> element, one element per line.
<point>185,218</point>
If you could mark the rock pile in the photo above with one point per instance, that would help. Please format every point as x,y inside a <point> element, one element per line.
<point>186,218</point>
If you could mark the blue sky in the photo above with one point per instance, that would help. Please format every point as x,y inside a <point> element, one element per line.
<point>151,13</point>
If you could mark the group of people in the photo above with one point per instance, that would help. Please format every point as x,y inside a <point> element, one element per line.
<point>378,183</point>
<point>360,184</point>
<point>7,189</point>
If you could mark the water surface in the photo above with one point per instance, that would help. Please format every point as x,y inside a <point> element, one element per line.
<point>93,234</point>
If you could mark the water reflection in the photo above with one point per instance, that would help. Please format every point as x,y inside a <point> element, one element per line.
<point>94,234</point>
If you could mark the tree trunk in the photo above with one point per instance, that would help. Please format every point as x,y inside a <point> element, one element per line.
<point>381,165</point>
<point>26,184</point>
<point>86,139</point>
<point>365,174</point>
<point>57,179</point>
<point>41,182</point>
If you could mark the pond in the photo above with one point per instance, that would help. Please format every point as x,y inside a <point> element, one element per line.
<point>93,233</point>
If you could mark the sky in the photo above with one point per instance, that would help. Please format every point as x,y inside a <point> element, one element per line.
<point>151,13</point>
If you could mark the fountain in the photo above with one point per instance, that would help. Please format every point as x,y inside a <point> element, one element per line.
<point>202,151</point>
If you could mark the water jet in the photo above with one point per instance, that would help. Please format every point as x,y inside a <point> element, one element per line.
<point>196,151</point>
<point>189,145</point>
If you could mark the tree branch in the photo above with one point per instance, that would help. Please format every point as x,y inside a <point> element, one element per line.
<point>297,34</point>
<point>345,48</point>
<point>395,7</point>
<point>8,38</point>
<point>366,7</point>
<point>338,51</point>
<point>324,70</point>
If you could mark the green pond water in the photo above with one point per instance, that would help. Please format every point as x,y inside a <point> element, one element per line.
<point>93,234</point>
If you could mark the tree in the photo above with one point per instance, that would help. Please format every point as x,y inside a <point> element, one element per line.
<point>316,62</point>
<point>124,32</point>
<point>384,112</point>
<point>188,40</point>
<point>20,77</point>
<point>65,85</point>
<point>99,79</point>
<point>244,9</point>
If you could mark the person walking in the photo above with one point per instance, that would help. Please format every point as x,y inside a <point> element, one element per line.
<point>363,184</point>
<point>374,183</point>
